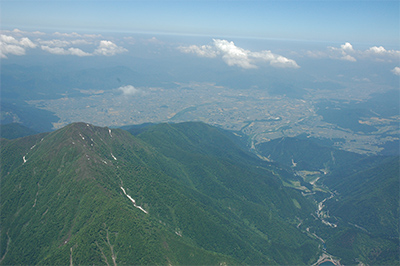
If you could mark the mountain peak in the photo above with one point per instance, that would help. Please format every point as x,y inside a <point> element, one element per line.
<point>88,134</point>
<point>79,143</point>
<point>175,194</point>
<point>85,128</point>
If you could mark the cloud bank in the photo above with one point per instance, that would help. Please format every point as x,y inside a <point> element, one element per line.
<point>14,43</point>
<point>233,55</point>
<point>348,53</point>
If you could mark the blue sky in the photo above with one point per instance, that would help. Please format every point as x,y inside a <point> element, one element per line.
<point>357,22</point>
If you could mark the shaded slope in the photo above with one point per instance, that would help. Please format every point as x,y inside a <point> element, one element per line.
<point>369,198</point>
<point>305,153</point>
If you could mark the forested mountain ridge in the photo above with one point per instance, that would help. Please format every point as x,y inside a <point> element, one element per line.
<point>91,195</point>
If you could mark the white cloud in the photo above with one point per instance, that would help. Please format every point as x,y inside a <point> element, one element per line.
<point>396,71</point>
<point>62,51</point>
<point>10,49</point>
<point>10,45</point>
<point>108,48</point>
<point>63,43</point>
<point>345,52</point>
<point>92,36</point>
<point>38,33</point>
<point>54,42</point>
<point>15,42</point>
<point>283,62</point>
<point>202,51</point>
<point>274,59</point>
<point>19,33</point>
<point>381,53</point>
<point>316,54</point>
<point>233,55</point>
<point>347,47</point>
<point>27,43</point>
<point>80,42</point>
<point>53,50</point>
<point>8,39</point>
<point>73,34</point>
<point>77,35</point>
<point>377,50</point>
<point>77,52</point>
<point>128,90</point>
<point>348,53</point>
<point>348,58</point>
<point>153,40</point>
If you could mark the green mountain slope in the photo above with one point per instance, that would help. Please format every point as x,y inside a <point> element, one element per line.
<point>65,203</point>
<point>181,194</point>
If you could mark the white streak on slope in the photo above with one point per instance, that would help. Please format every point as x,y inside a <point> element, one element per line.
<point>133,201</point>
<point>109,132</point>
<point>113,156</point>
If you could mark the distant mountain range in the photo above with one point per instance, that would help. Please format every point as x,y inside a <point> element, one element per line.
<point>189,193</point>
<point>15,130</point>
